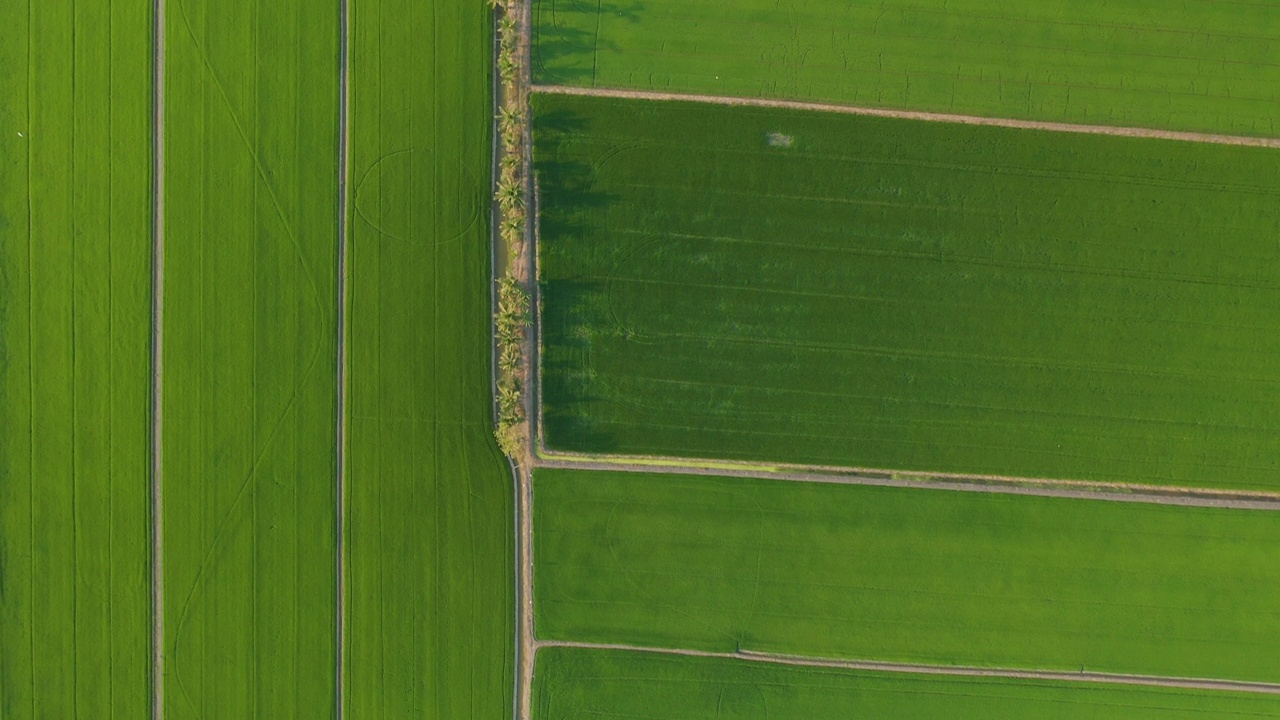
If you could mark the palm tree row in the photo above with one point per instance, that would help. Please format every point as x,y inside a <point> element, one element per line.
<point>511,320</point>
<point>512,316</point>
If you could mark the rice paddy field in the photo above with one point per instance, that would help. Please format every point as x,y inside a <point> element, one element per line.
<point>573,684</point>
<point>905,575</point>
<point>777,285</point>
<point>1198,65</point>
<point>249,375</point>
<point>75,270</point>
<point>429,588</point>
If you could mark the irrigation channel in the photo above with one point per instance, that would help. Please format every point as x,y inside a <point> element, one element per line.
<point>915,115</point>
<point>1084,675</point>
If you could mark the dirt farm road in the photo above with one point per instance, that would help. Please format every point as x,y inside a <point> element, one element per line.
<point>1084,676</point>
<point>1073,489</point>
<point>915,115</point>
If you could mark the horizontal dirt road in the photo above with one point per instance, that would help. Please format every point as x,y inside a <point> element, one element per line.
<point>916,115</point>
<point>1074,489</point>
<point>1084,676</point>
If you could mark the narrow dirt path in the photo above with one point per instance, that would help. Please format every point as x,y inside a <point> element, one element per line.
<point>344,163</point>
<point>916,115</point>
<point>1074,489</point>
<point>1083,676</point>
<point>528,644</point>
<point>157,367</point>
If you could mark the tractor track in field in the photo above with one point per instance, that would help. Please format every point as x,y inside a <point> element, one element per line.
<point>1071,489</point>
<point>344,163</point>
<point>1082,676</point>
<point>1134,132</point>
<point>157,364</point>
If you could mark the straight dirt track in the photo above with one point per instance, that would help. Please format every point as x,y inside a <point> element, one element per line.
<point>1073,489</point>
<point>1132,132</point>
<point>344,151</point>
<point>157,368</point>
<point>1084,676</point>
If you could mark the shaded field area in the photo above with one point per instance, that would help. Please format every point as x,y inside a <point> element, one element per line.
<point>1198,66</point>
<point>575,684</point>
<point>765,284</point>
<point>905,575</point>
<point>250,304</point>
<point>429,591</point>
<point>75,274</point>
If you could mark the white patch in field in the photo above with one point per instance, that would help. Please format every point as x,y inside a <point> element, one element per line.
<point>21,135</point>
<point>778,140</point>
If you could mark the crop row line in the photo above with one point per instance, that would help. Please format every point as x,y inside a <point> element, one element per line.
<point>1150,133</point>
<point>1081,676</point>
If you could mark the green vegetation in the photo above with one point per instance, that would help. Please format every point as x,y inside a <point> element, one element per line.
<point>512,319</point>
<point>429,589</point>
<point>512,316</point>
<point>1186,66</point>
<point>251,139</point>
<point>774,285</point>
<point>75,271</point>
<point>909,575</point>
<point>572,684</point>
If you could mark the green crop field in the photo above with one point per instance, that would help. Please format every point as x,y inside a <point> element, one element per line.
<point>777,285</point>
<point>1197,65</point>
<point>250,305</point>
<point>75,273</point>
<point>429,594</point>
<point>911,575</point>
<point>572,684</point>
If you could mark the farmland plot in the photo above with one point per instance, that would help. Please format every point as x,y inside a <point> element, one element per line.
<point>429,588</point>
<point>1199,66</point>
<point>775,285</point>
<point>249,359</point>
<point>909,575</point>
<point>75,273</point>
<point>573,684</point>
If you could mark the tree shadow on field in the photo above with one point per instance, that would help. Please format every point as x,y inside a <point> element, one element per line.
<point>572,395</point>
<point>565,54</point>
<point>568,193</point>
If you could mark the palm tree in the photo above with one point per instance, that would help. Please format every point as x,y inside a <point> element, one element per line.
<point>507,68</point>
<point>513,224</point>
<point>510,119</point>
<point>510,195</point>
<point>507,30</point>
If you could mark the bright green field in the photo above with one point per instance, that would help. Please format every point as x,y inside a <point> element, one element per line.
<point>250,328</point>
<point>1197,65</point>
<point>907,295</point>
<point>429,591</point>
<point>905,575</point>
<point>75,275</point>
<point>571,684</point>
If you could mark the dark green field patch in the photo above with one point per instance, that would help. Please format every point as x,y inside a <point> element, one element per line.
<point>769,284</point>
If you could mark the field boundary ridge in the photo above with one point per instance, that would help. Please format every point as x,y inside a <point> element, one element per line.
<point>920,115</point>
<point>1082,676</point>
<point>877,477</point>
